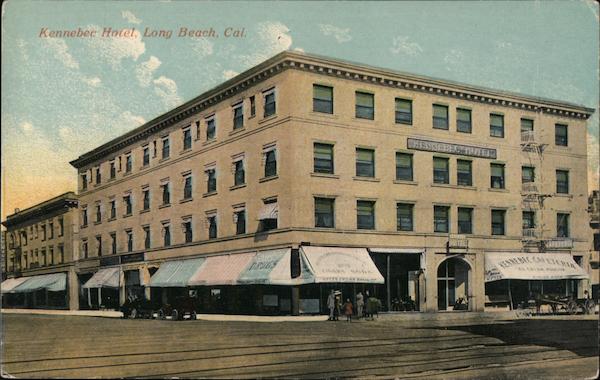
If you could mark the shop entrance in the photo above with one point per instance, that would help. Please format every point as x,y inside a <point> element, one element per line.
<point>402,273</point>
<point>453,284</point>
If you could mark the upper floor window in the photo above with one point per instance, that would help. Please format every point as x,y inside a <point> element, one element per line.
<point>498,217</point>
<point>238,116</point>
<point>465,220</point>
<point>212,226</point>
<point>187,187</point>
<point>211,128</point>
<point>528,221</point>
<point>98,245</point>
<point>252,106</point>
<point>440,116</point>
<point>527,174</point>
<point>187,138</point>
<point>240,221</point>
<point>239,176</point>
<point>211,180</point>
<point>84,182</point>
<point>365,162</point>
<point>562,181</point>
<point>496,125</point>
<point>441,219</point>
<point>166,147</point>
<point>464,173</point>
<point>562,225</point>
<point>166,230</point>
<point>270,158</point>
<point>84,248</point>
<point>146,196</point>
<point>84,217</point>
<point>146,156</point>
<point>497,176</point>
<point>269,102</point>
<point>51,230</point>
<point>113,170</point>
<point>166,194</point>
<point>268,215</point>
<point>463,120</point>
<point>61,228</point>
<point>404,216</point>
<point>322,99</point>
<point>98,176</point>
<point>147,237</point>
<point>526,130</point>
<point>324,212</point>
<point>404,111</point>
<point>365,215</point>
<point>128,205</point>
<point>188,231</point>
<point>128,163</point>
<point>98,213</point>
<point>561,135</point>
<point>365,105</point>
<point>323,158</point>
<point>43,232</point>
<point>113,243</point>
<point>129,234</point>
<point>404,166</point>
<point>441,170</point>
<point>113,209</point>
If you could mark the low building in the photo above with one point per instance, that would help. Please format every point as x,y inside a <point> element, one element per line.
<point>40,267</point>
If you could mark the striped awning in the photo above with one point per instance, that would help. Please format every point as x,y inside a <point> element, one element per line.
<point>54,282</point>
<point>176,273</point>
<point>11,283</point>
<point>104,278</point>
<point>222,270</point>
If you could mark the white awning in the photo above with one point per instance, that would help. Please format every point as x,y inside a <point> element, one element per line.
<point>221,270</point>
<point>531,266</point>
<point>11,283</point>
<point>346,265</point>
<point>273,268</point>
<point>397,250</point>
<point>268,211</point>
<point>104,278</point>
<point>53,282</point>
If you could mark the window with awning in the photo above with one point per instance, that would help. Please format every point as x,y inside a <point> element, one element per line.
<point>531,266</point>
<point>273,268</point>
<point>341,265</point>
<point>176,273</point>
<point>104,278</point>
<point>54,282</point>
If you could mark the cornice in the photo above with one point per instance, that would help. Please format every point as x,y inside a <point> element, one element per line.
<point>63,201</point>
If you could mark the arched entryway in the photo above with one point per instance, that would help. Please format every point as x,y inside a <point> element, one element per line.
<point>453,276</point>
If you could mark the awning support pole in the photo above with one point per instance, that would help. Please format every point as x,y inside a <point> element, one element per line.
<point>99,297</point>
<point>512,307</point>
<point>89,297</point>
<point>387,281</point>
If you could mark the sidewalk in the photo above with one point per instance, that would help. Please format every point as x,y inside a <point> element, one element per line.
<point>81,313</point>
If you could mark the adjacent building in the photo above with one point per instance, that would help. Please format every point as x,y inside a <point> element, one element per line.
<point>306,174</point>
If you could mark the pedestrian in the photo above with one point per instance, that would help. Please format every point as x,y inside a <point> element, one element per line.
<point>338,306</point>
<point>331,304</point>
<point>348,310</point>
<point>373,305</point>
<point>366,311</point>
<point>360,303</point>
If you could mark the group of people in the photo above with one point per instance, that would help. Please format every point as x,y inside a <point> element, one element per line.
<point>336,308</point>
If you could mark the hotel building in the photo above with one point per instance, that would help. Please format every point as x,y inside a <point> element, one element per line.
<point>307,173</point>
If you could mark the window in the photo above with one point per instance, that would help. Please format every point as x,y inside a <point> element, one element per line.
<point>61,253</point>
<point>562,181</point>
<point>527,174</point>
<point>61,229</point>
<point>113,170</point>
<point>51,256</point>
<point>166,194</point>
<point>187,138</point>
<point>83,182</point>
<point>528,222</point>
<point>129,234</point>
<point>497,176</point>
<point>441,219</point>
<point>98,213</point>
<point>187,231</point>
<point>365,106</point>
<point>252,106</point>
<point>322,99</point>
<point>365,215</point>
<point>496,125</point>
<point>84,249</point>
<point>441,169</point>
<point>51,230</point>
<point>464,173</point>
<point>98,245</point>
<point>365,162</point>
<point>240,222</point>
<point>270,163</point>
<point>498,222</point>
<point>269,102</point>
<point>269,222</point>
<point>239,176</point>
<point>211,128</point>
<point>166,235</point>
<point>113,209</point>
<point>324,208</point>
<point>440,116</point>
<point>43,258</point>
<point>323,158</point>
<point>465,220</point>
<point>212,227</point>
<point>562,225</point>
<point>403,111</point>
<point>84,218</point>
<point>146,203</point>
<point>187,187</point>
<point>146,158</point>
<point>43,232</point>
<point>561,135</point>
<point>113,243</point>
<point>404,216</point>
<point>463,120</point>
<point>166,148</point>
<point>238,116</point>
<point>128,205</point>
<point>128,163</point>
<point>211,182</point>
<point>147,237</point>
<point>526,130</point>
<point>404,166</point>
<point>98,176</point>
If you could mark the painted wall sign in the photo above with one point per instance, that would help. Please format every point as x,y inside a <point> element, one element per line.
<point>442,147</point>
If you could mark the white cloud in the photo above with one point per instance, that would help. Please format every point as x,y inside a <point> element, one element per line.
<point>60,50</point>
<point>273,37</point>
<point>202,46</point>
<point>299,49</point>
<point>129,120</point>
<point>114,49</point>
<point>340,34</point>
<point>130,17</point>
<point>228,74</point>
<point>166,89</point>
<point>401,44</point>
<point>94,82</point>
<point>145,71</point>
<point>27,128</point>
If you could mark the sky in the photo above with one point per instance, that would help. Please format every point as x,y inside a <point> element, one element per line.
<point>63,96</point>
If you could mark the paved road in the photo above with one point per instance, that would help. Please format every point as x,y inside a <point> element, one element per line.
<point>73,347</point>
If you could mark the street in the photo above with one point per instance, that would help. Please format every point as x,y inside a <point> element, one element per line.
<point>82,347</point>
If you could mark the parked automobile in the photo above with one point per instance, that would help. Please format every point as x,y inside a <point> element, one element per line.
<point>180,308</point>
<point>138,308</point>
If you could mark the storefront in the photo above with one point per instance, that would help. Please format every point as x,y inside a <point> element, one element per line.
<point>42,291</point>
<point>105,283</point>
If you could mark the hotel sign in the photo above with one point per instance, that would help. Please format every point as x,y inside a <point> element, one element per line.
<point>442,147</point>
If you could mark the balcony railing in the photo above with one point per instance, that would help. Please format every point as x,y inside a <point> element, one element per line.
<point>529,187</point>
<point>559,243</point>
<point>531,233</point>
<point>527,137</point>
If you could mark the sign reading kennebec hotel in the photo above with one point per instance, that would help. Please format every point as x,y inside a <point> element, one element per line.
<point>463,150</point>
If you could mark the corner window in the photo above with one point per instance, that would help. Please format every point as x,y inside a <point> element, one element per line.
<point>322,99</point>
<point>498,222</point>
<point>365,162</point>
<point>404,166</point>
<point>404,216</point>
<point>497,176</point>
<point>365,105</point>
<point>441,219</point>
<point>463,120</point>
<point>323,158</point>
<point>269,103</point>
<point>324,208</point>
<point>464,173</point>
<point>403,111</point>
<point>440,116</point>
<point>561,135</point>
<point>441,173</point>
<point>496,125</point>
<point>465,220</point>
<point>365,215</point>
<point>562,181</point>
